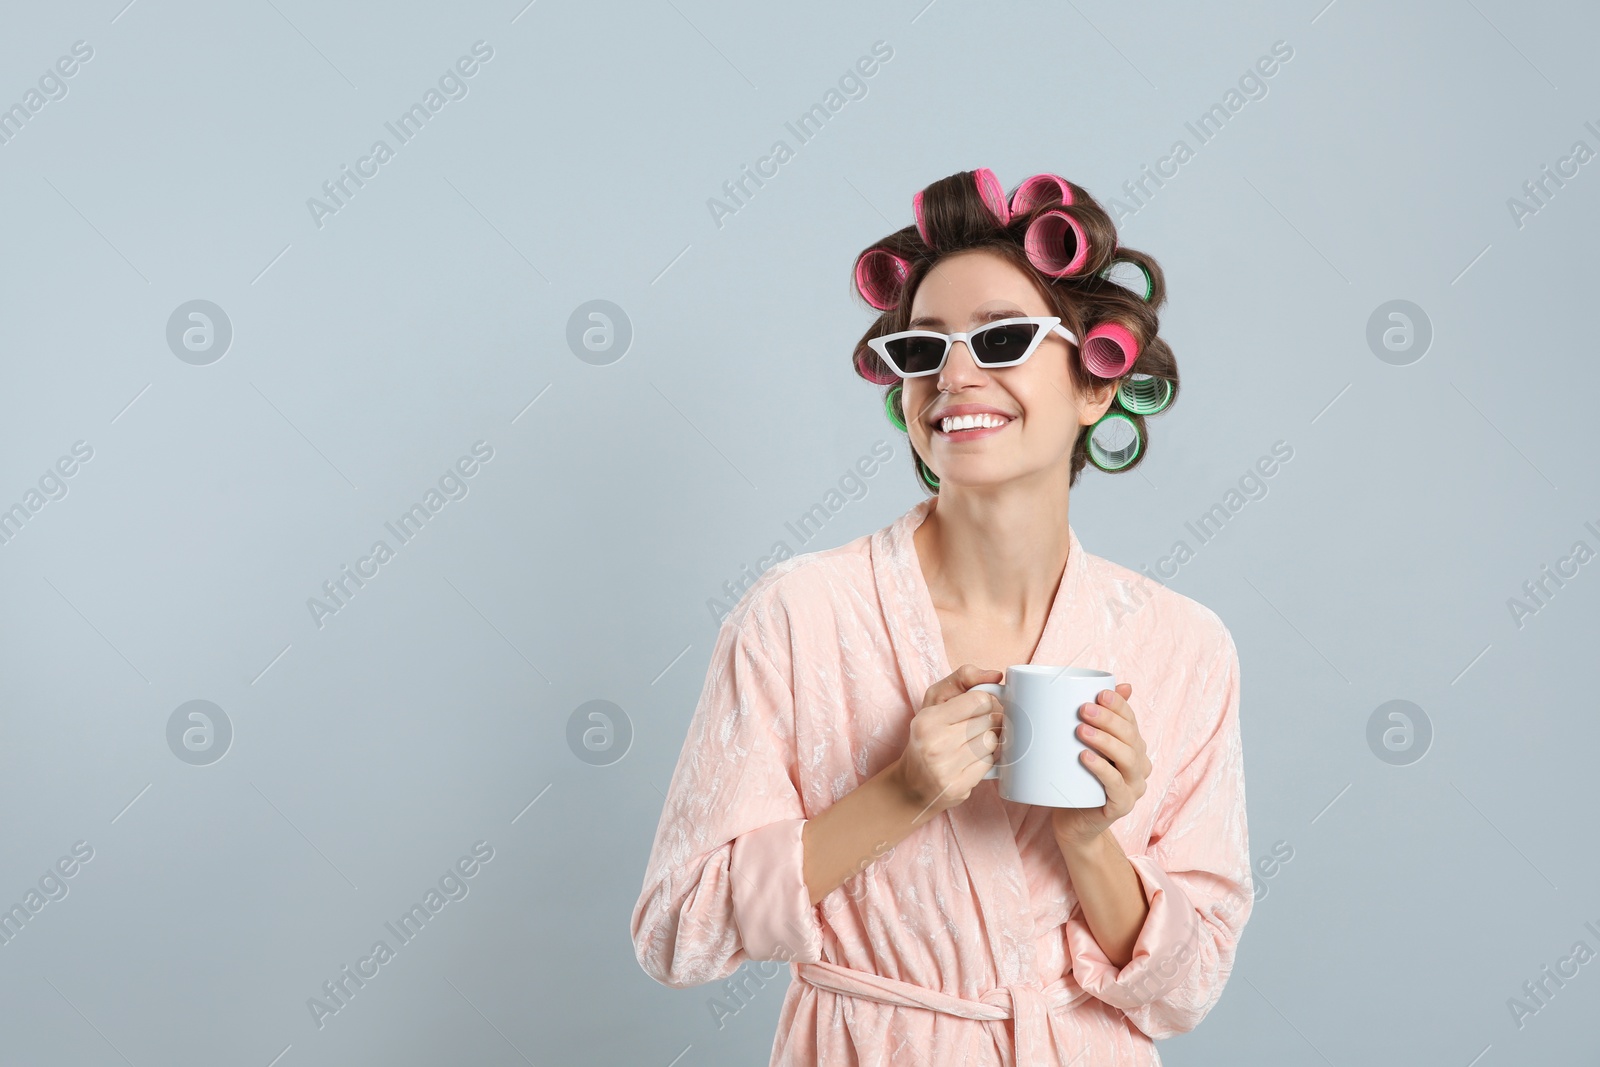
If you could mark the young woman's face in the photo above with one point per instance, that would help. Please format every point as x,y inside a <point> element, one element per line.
<point>1043,409</point>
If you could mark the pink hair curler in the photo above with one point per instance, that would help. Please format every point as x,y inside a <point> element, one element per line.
<point>880,274</point>
<point>1109,349</point>
<point>876,374</point>
<point>916,210</point>
<point>1039,190</point>
<point>989,188</point>
<point>1056,244</point>
<point>993,193</point>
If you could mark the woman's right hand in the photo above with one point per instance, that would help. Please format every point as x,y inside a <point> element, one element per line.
<point>953,740</point>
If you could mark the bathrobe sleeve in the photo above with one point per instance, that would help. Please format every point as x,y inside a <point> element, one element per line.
<point>724,882</point>
<point>1195,874</point>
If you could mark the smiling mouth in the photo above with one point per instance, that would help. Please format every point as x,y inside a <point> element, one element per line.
<point>969,427</point>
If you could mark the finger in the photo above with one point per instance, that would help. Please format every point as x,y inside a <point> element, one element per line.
<point>1116,788</point>
<point>982,762</point>
<point>1125,707</point>
<point>972,704</point>
<point>982,745</point>
<point>1098,715</point>
<point>1108,747</point>
<point>978,725</point>
<point>1111,703</point>
<point>957,682</point>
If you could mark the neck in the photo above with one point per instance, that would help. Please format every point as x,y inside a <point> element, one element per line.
<point>997,552</point>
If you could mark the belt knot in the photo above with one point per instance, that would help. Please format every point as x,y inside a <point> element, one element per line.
<point>1027,1005</point>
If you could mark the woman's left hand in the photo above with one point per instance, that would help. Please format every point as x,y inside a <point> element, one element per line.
<point>1116,756</point>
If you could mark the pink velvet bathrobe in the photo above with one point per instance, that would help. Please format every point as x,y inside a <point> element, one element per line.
<point>965,943</point>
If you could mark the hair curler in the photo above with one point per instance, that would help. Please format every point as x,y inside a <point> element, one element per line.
<point>871,368</point>
<point>880,274</point>
<point>1114,441</point>
<point>994,195</point>
<point>1039,190</point>
<point>1109,349</point>
<point>890,400</point>
<point>1056,244</point>
<point>1142,394</point>
<point>989,188</point>
<point>1131,276</point>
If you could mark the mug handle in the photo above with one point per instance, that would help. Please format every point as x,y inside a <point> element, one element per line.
<point>998,689</point>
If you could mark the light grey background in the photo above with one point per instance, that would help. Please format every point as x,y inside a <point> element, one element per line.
<point>432,711</point>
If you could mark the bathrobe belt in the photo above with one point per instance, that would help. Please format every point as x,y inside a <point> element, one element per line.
<point>1028,1005</point>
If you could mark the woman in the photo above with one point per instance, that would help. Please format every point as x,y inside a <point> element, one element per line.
<point>829,807</point>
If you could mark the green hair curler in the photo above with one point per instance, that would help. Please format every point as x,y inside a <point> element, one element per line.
<point>1114,442</point>
<point>889,399</point>
<point>1143,394</point>
<point>1131,276</point>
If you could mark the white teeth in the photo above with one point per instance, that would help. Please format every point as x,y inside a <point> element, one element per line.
<point>970,422</point>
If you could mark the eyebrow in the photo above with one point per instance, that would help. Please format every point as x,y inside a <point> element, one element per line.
<point>982,316</point>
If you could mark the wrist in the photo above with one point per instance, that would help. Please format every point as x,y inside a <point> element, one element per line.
<point>905,794</point>
<point>1077,848</point>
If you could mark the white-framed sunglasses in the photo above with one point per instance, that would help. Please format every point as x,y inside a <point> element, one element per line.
<point>1002,343</point>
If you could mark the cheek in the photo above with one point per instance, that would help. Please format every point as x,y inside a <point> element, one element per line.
<point>914,403</point>
<point>1049,419</point>
<point>1047,399</point>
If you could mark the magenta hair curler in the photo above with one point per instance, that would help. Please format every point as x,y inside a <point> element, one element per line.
<point>1056,244</point>
<point>1039,190</point>
<point>880,274</point>
<point>872,369</point>
<point>994,195</point>
<point>989,188</point>
<point>1109,349</point>
<point>916,210</point>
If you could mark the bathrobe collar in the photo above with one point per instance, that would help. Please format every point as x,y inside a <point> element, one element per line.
<point>914,624</point>
<point>982,828</point>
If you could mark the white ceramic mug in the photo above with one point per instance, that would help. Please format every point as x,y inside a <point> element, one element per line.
<point>1037,762</point>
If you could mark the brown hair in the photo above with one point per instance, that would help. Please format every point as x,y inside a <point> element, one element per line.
<point>967,211</point>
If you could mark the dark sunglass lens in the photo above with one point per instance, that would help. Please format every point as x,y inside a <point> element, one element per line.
<point>916,354</point>
<point>1002,344</point>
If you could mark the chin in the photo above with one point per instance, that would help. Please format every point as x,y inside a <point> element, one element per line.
<point>991,473</point>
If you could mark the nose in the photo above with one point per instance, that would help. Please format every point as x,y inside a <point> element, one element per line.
<point>960,369</point>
